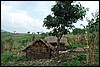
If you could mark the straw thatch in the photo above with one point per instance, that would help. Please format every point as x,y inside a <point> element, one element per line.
<point>45,42</point>
<point>78,49</point>
<point>53,39</point>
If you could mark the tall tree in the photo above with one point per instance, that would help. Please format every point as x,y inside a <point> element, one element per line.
<point>93,26</point>
<point>65,13</point>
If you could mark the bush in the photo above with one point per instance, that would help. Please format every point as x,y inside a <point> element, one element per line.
<point>68,46</point>
<point>72,46</point>
<point>80,57</point>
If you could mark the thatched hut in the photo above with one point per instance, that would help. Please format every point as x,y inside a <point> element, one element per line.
<point>39,49</point>
<point>53,41</point>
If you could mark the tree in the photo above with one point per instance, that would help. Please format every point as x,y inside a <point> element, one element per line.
<point>92,32</point>
<point>14,32</point>
<point>50,33</point>
<point>93,26</point>
<point>78,30</point>
<point>28,32</point>
<point>65,13</point>
<point>38,32</point>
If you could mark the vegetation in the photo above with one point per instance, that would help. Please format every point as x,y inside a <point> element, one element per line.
<point>18,58</point>
<point>92,28</point>
<point>71,63</point>
<point>78,31</point>
<point>72,46</point>
<point>65,13</point>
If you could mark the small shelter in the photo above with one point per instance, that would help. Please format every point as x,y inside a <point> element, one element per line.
<point>39,49</point>
<point>53,41</point>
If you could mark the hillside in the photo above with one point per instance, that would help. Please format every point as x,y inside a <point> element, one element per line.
<point>4,32</point>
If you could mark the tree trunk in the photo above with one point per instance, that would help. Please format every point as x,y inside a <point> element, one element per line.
<point>92,56</point>
<point>87,57</point>
<point>58,44</point>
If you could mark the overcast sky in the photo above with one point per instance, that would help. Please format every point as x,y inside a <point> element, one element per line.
<point>23,16</point>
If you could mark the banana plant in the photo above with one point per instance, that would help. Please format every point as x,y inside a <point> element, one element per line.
<point>87,41</point>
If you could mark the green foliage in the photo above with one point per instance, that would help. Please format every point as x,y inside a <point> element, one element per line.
<point>93,28</point>
<point>94,22</point>
<point>38,36</point>
<point>6,57</point>
<point>78,31</point>
<point>19,58</point>
<point>4,32</point>
<point>65,14</point>
<point>71,63</point>
<point>43,35</point>
<point>50,33</point>
<point>80,57</point>
<point>72,46</point>
<point>24,42</point>
<point>77,45</point>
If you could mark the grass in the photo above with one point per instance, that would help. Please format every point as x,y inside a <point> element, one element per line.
<point>14,59</point>
<point>72,46</point>
<point>71,63</point>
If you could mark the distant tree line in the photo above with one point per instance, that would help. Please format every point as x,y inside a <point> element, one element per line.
<point>78,31</point>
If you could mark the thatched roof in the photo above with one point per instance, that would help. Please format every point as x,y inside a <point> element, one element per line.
<point>53,39</point>
<point>45,42</point>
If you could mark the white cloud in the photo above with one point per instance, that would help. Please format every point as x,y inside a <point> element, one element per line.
<point>19,19</point>
<point>45,8</point>
<point>4,7</point>
<point>24,16</point>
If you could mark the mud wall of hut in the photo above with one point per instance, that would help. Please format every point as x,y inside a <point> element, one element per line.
<point>38,51</point>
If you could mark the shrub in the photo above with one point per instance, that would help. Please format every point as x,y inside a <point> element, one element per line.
<point>72,46</point>
<point>68,46</point>
<point>80,57</point>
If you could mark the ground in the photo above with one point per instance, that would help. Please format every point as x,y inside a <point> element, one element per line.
<point>18,58</point>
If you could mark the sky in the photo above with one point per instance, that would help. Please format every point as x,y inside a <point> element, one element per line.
<point>24,16</point>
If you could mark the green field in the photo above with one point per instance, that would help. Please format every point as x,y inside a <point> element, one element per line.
<point>18,58</point>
